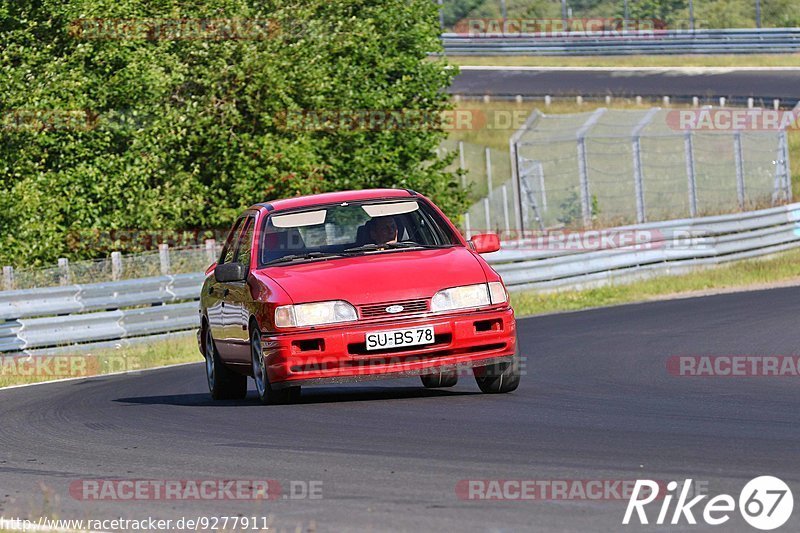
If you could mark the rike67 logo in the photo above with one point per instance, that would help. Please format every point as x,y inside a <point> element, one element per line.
<point>765,503</point>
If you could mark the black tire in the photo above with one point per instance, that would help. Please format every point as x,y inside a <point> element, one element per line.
<point>223,383</point>
<point>498,378</point>
<point>440,379</point>
<point>267,395</point>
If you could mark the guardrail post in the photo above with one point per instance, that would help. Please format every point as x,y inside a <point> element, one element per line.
<point>776,104</point>
<point>488,155</point>
<point>665,99</point>
<point>750,103</point>
<point>116,266</point>
<point>63,271</point>
<point>548,100</point>
<point>695,101</point>
<point>737,154</point>
<point>211,250</point>
<point>8,278</point>
<point>688,147</point>
<point>722,101</point>
<point>163,256</point>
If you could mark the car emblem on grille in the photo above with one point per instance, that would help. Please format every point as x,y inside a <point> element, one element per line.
<point>394,309</point>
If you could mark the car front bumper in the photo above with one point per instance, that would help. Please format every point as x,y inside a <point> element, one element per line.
<point>337,355</point>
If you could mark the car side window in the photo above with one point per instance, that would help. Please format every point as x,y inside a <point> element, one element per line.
<point>230,243</point>
<point>244,248</point>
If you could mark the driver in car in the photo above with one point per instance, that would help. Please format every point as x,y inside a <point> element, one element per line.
<point>383,230</point>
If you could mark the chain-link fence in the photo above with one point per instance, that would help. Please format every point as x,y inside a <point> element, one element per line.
<point>165,261</point>
<point>612,167</point>
<point>487,173</point>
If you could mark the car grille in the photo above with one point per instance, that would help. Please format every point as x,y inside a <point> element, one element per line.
<point>379,310</point>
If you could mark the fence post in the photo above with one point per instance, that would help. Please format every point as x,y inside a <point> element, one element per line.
<point>163,256</point>
<point>488,153</point>
<point>638,180</point>
<point>211,250</point>
<point>787,167</point>
<point>583,168</point>
<point>116,266</point>
<point>513,152</point>
<point>488,213</point>
<point>737,154</point>
<point>782,183</point>
<point>505,210</point>
<point>540,173</point>
<point>688,147</point>
<point>8,278</point>
<point>461,163</point>
<point>63,271</point>
<point>467,229</point>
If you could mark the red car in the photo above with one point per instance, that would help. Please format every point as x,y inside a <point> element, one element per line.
<point>350,286</point>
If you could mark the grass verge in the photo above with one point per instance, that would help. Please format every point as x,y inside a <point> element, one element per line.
<point>778,269</point>
<point>22,370</point>
<point>678,61</point>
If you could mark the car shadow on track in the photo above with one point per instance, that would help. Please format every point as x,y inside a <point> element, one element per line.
<point>315,395</point>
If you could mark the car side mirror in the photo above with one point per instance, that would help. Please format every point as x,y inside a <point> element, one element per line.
<point>230,272</point>
<point>485,243</point>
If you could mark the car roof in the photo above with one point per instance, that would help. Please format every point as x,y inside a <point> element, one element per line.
<point>335,197</point>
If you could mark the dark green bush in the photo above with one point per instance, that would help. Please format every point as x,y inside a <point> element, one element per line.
<point>151,134</point>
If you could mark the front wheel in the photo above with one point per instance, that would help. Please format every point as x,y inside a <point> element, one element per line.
<point>498,378</point>
<point>223,383</point>
<point>266,394</point>
<point>440,379</point>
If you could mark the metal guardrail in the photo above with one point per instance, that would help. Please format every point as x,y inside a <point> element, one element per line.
<point>674,246</point>
<point>662,42</point>
<point>92,315</point>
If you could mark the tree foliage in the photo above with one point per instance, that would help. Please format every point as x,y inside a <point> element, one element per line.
<point>102,132</point>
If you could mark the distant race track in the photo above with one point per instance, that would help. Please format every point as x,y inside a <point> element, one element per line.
<point>681,83</point>
<point>597,404</point>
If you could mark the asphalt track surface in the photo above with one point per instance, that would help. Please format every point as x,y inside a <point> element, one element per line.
<point>597,404</point>
<point>736,84</point>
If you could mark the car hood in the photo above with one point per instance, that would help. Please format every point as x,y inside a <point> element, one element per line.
<point>379,277</point>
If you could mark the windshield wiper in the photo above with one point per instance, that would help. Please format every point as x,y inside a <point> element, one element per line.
<point>297,257</point>
<point>386,246</point>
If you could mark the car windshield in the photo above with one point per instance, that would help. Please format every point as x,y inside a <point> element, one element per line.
<point>352,228</point>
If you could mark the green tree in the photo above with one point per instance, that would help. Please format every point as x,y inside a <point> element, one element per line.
<point>165,134</point>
